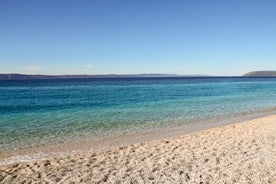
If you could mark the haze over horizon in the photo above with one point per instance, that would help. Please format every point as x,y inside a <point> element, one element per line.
<point>132,37</point>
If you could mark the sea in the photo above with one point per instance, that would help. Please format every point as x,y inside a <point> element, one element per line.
<point>39,113</point>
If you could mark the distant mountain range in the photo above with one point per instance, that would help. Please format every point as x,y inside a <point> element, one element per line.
<point>38,77</point>
<point>261,74</point>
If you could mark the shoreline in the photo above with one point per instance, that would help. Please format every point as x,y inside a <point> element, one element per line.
<point>243,152</point>
<point>113,142</point>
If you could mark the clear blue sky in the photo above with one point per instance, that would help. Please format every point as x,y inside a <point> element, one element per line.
<point>223,37</point>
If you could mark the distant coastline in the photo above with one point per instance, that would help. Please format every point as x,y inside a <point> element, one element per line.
<point>38,77</point>
<point>15,76</point>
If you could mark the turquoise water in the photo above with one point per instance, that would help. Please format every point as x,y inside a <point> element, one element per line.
<point>50,112</point>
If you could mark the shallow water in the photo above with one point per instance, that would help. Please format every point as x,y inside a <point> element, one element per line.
<point>36,113</point>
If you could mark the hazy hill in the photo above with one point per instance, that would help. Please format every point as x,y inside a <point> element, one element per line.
<point>260,74</point>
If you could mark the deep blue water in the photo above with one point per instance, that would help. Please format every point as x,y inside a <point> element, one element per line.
<point>42,112</point>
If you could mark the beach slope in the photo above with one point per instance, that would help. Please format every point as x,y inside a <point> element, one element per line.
<point>240,153</point>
